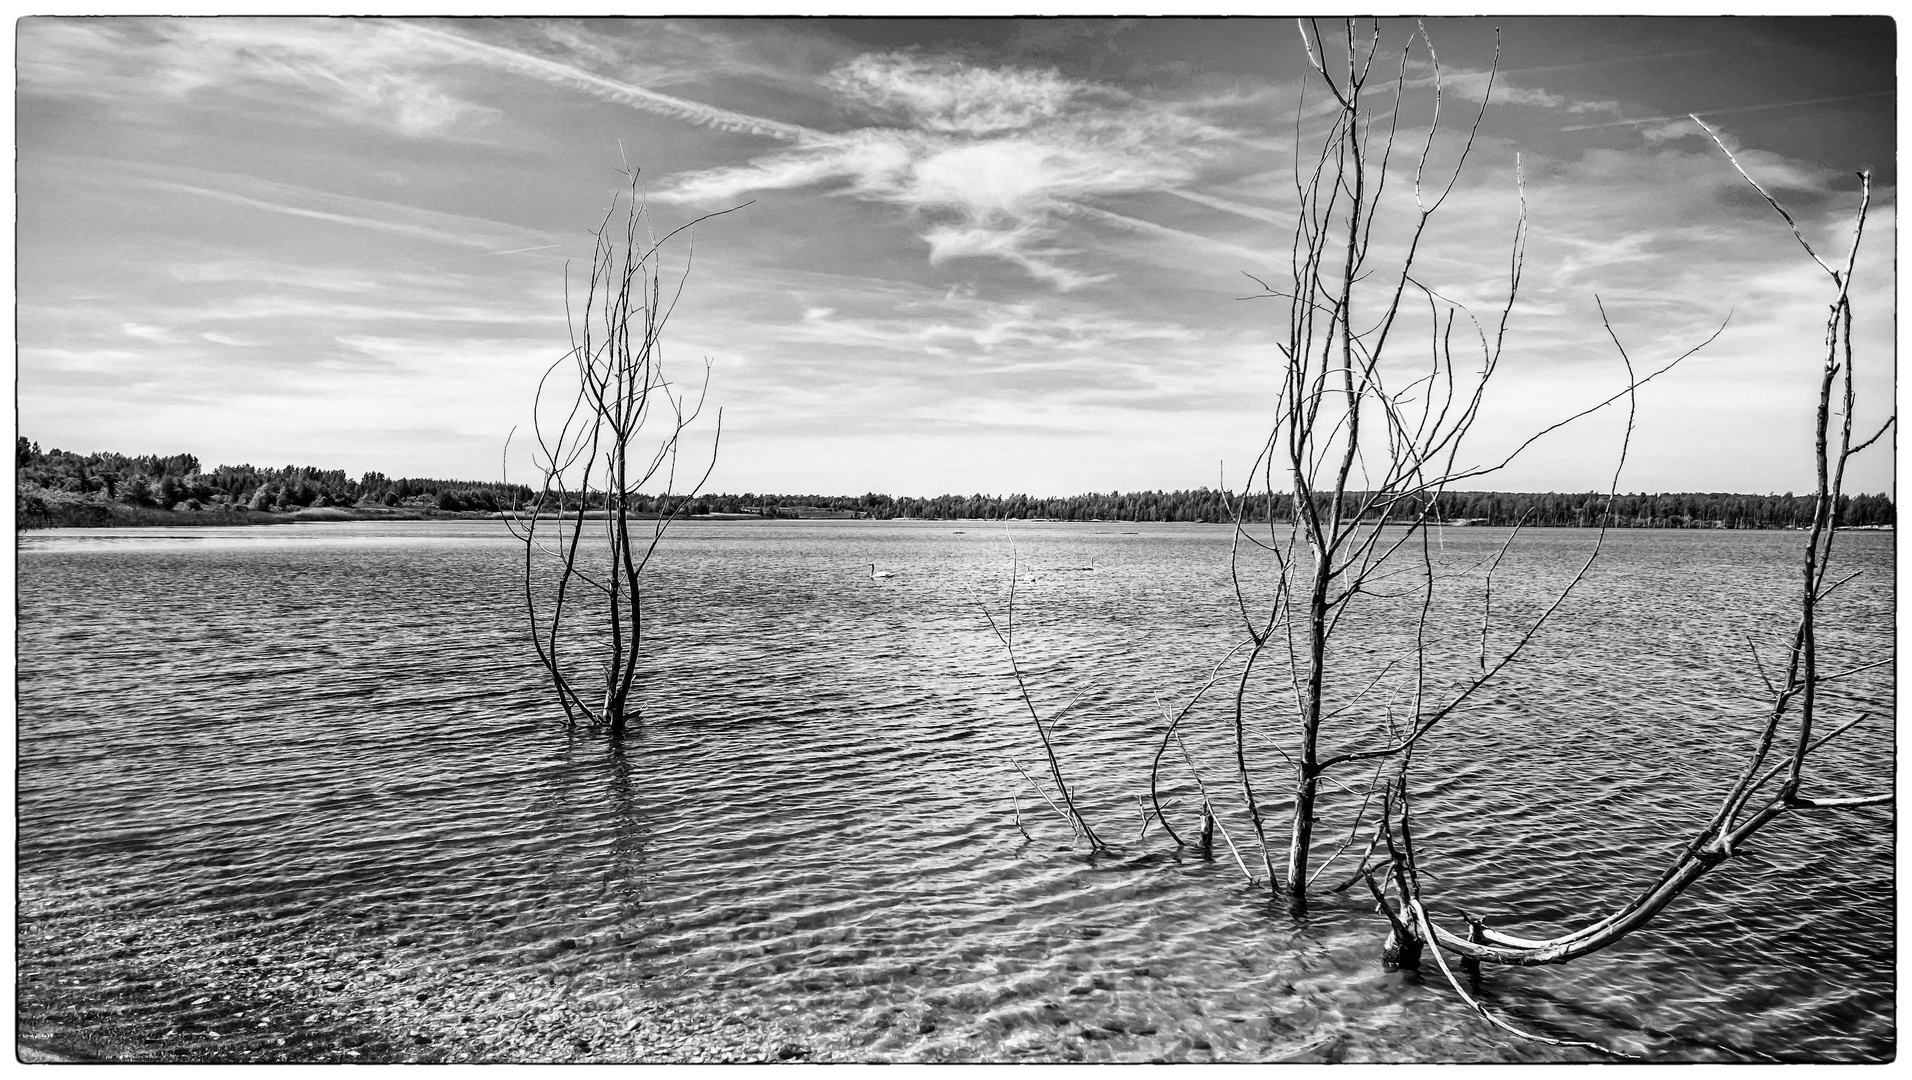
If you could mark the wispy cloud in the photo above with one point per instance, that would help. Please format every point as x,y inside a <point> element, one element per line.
<point>1024,244</point>
<point>1006,151</point>
<point>949,96</point>
<point>987,327</point>
<point>1473,84</point>
<point>348,70</point>
<point>144,333</point>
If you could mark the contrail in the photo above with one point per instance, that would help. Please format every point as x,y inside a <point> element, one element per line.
<point>396,228</point>
<point>622,93</point>
<point>1272,217</point>
<point>1138,225</point>
<point>1735,109</point>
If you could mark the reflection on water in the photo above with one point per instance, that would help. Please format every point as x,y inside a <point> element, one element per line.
<point>339,727</point>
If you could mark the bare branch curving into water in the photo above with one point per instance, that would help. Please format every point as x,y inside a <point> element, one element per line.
<point>1005,632</point>
<point>1785,733</point>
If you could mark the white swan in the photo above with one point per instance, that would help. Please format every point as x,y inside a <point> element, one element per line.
<point>875,573</point>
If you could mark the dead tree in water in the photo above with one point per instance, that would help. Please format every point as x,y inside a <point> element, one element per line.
<point>1383,381</point>
<point>618,434</point>
<point>1772,782</point>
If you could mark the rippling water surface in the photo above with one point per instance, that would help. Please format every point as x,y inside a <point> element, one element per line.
<point>280,731</point>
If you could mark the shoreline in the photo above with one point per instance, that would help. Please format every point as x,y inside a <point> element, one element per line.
<point>28,1054</point>
<point>147,518</point>
<point>159,519</point>
<point>100,516</point>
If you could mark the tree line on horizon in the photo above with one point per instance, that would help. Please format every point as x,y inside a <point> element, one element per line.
<point>177,482</point>
<point>1551,509</point>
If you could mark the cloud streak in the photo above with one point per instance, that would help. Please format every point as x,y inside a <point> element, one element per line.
<point>571,77</point>
<point>1729,111</point>
<point>447,229</point>
<point>1006,152</point>
<point>349,71</point>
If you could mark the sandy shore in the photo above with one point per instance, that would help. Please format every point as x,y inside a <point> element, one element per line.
<point>27,1051</point>
<point>141,986</point>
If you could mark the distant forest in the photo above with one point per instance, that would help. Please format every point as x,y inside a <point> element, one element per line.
<point>178,483</point>
<point>1665,511</point>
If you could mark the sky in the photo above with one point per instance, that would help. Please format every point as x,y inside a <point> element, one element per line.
<point>972,256</point>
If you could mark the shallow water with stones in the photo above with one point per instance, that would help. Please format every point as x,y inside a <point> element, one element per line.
<point>272,734</point>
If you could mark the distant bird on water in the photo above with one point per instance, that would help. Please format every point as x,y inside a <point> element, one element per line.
<point>875,573</point>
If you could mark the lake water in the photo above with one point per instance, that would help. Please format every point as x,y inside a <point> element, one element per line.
<point>268,737</point>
